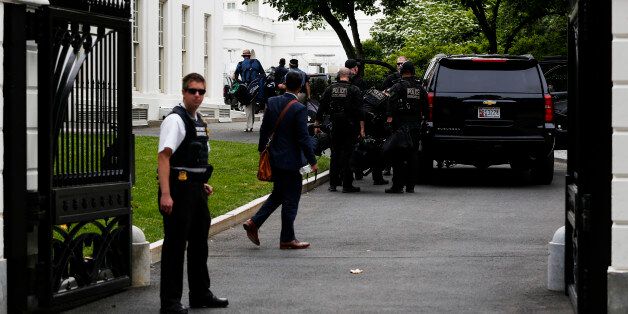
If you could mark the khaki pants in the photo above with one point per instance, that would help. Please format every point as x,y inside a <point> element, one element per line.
<point>250,115</point>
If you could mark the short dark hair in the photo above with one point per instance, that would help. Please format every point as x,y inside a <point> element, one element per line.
<point>294,63</point>
<point>282,61</point>
<point>407,67</point>
<point>351,63</point>
<point>293,80</point>
<point>193,77</point>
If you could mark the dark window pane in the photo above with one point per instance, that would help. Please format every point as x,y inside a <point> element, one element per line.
<point>480,80</point>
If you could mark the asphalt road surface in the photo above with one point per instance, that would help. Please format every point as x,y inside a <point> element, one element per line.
<point>475,241</point>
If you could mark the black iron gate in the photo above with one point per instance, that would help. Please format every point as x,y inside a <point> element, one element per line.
<point>588,191</point>
<point>82,211</point>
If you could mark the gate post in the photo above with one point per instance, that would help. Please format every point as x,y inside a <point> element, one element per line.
<point>13,272</point>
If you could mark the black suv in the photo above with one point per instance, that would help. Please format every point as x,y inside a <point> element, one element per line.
<point>487,110</point>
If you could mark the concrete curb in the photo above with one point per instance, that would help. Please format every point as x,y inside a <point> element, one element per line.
<point>240,214</point>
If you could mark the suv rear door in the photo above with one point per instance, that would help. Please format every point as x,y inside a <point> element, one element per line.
<point>488,97</point>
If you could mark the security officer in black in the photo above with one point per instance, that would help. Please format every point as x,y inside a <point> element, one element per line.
<point>407,102</point>
<point>183,172</point>
<point>343,102</point>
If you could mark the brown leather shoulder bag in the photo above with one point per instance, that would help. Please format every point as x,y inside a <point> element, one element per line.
<point>264,172</point>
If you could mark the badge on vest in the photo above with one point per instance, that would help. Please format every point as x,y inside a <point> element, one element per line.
<point>183,175</point>
<point>201,131</point>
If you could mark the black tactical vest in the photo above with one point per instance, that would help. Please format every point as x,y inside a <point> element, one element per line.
<point>193,151</point>
<point>339,99</point>
<point>408,108</point>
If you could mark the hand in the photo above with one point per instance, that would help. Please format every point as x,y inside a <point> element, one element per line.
<point>209,190</point>
<point>389,120</point>
<point>317,129</point>
<point>314,167</point>
<point>165,204</point>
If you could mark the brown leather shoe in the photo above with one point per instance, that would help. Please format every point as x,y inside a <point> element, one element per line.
<point>251,231</point>
<point>294,245</point>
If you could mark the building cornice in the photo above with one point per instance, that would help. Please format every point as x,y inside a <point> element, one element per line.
<point>248,28</point>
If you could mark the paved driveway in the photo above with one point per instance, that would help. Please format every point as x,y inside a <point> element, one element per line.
<point>473,242</point>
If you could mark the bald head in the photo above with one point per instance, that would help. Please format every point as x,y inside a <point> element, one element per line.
<point>344,74</point>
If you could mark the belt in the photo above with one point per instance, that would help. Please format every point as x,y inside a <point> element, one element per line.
<point>191,174</point>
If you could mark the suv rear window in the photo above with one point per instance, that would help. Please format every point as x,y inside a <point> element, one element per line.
<point>483,78</point>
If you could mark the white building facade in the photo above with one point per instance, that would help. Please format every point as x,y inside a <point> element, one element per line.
<point>256,26</point>
<point>170,39</point>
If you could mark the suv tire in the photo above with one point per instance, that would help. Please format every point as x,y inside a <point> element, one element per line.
<point>542,171</point>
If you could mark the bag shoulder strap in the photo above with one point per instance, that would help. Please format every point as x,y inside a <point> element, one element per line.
<point>281,115</point>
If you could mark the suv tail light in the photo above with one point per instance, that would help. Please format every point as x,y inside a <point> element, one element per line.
<point>549,108</point>
<point>430,105</point>
<point>489,60</point>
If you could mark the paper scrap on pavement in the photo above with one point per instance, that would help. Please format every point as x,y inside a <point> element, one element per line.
<point>356,271</point>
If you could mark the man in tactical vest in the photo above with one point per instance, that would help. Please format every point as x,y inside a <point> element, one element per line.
<point>183,171</point>
<point>251,72</point>
<point>407,102</point>
<point>343,102</point>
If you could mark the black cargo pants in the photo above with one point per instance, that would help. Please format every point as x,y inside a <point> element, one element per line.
<point>188,223</point>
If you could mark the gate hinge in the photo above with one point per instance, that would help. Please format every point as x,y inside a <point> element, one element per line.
<point>33,207</point>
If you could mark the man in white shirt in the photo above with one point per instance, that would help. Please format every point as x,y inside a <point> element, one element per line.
<point>183,171</point>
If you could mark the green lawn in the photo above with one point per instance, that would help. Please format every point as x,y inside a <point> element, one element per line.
<point>234,181</point>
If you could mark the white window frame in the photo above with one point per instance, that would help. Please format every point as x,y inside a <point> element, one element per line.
<point>253,7</point>
<point>136,45</point>
<point>184,38</point>
<point>207,22</point>
<point>161,35</point>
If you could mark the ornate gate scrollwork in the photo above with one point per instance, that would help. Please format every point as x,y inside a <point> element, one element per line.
<point>84,147</point>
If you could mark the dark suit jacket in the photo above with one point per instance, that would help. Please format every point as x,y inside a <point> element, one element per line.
<point>291,147</point>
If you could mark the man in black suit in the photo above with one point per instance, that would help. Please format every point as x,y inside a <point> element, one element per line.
<point>290,150</point>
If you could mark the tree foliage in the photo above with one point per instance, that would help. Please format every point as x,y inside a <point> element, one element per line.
<point>426,22</point>
<point>311,13</point>
<point>501,21</point>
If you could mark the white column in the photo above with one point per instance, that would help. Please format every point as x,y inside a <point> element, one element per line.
<point>618,271</point>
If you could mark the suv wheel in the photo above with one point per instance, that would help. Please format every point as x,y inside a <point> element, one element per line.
<point>543,169</point>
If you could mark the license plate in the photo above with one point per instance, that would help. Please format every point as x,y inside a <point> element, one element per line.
<point>489,113</point>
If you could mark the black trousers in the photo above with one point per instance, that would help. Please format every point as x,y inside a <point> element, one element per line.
<point>404,166</point>
<point>188,223</point>
<point>343,139</point>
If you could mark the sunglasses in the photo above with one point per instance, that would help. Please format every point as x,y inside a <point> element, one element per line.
<point>193,91</point>
<point>400,63</point>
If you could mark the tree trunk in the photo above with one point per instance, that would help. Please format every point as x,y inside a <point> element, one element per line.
<point>487,29</point>
<point>325,12</point>
<point>354,30</point>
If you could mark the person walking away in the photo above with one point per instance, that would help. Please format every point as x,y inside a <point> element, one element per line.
<point>290,150</point>
<point>183,171</point>
<point>249,70</point>
<point>304,91</point>
<point>280,72</point>
<point>343,102</point>
<point>407,101</point>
